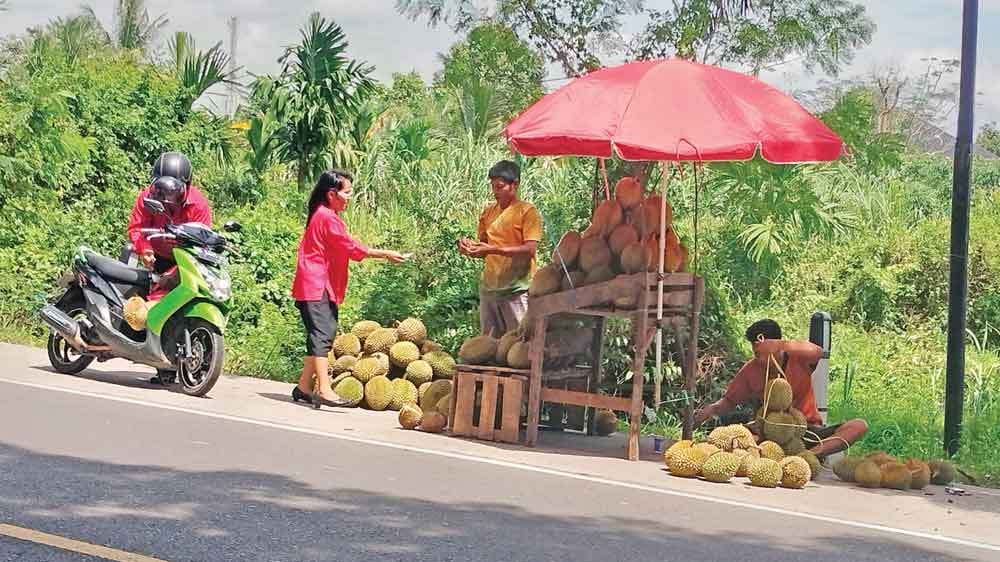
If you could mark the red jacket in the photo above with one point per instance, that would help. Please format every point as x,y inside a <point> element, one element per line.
<point>195,209</point>
<point>324,252</point>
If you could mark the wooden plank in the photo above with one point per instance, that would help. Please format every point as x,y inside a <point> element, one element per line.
<point>535,385</point>
<point>640,327</point>
<point>510,418</point>
<point>465,403</point>
<point>488,410</point>
<point>691,379</point>
<point>491,369</point>
<point>575,398</point>
<point>595,378</point>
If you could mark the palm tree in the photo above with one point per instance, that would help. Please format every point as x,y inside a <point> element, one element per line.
<point>77,34</point>
<point>314,97</point>
<point>133,28</point>
<point>198,71</point>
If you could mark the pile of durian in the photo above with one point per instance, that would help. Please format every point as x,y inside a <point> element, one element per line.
<point>777,421</point>
<point>732,452</point>
<point>568,340</point>
<point>879,469</point>
<point>623,238</point>
<point>393,368</point>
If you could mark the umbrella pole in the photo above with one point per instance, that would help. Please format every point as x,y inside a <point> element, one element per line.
<point>658,376</point>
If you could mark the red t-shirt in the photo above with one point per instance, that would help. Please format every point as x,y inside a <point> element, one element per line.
<point>324,252</point>
<point>194,209</point>
<point>749,382</point>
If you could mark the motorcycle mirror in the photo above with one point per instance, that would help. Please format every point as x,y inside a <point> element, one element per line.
<point>154,206</point>
<point>232,226</point>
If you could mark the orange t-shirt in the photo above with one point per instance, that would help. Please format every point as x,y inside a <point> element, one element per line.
<point>519,223</point>
<point>749,384</point>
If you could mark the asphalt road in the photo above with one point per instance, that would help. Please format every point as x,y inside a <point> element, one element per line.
<point>179,486</point>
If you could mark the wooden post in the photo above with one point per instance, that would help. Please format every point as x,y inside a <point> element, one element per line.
<point>535,384</point>
<point>640,327</point>
<point>595,376</point>
<point>691,379</point>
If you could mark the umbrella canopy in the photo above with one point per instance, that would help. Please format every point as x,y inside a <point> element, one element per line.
<point>672,110</point>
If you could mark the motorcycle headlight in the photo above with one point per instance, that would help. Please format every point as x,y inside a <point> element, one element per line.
<point>219,285</point>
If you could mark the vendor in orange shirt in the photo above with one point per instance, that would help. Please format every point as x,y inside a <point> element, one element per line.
<point>798,359</point>
<point>509,231</point>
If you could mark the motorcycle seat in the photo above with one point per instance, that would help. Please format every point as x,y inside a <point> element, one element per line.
<point>117,272</point>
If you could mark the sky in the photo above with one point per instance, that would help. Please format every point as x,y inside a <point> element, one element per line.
<point>908,31</point>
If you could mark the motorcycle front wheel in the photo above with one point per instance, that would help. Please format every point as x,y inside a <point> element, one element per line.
<point>199,373</point>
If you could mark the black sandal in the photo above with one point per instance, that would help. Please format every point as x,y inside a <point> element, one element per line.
<point>299,396</point>
<point>318,400</point>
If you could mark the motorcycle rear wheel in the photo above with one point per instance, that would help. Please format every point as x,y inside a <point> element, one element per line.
<point>63,358</point>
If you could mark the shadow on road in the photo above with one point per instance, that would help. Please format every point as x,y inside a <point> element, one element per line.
<point>242,515</point>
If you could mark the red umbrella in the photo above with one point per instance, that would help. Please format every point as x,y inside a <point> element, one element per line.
<point>672,110</point>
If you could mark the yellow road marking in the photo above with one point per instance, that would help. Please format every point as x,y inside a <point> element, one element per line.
<point>79,547</point>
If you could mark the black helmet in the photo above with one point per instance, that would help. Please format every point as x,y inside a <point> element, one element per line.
<point>173,164</point>
<point>169,190</point>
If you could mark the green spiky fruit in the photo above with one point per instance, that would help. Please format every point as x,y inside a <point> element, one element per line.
<point>421,390</point>
<point>403,392</point>
<point>574,280</point>
<point>434,393</point>
<point>599,275</point>
<point>336,380</point>
<point>368,368</point>
<point>401,354</point>
<point>730,437</point>
<point>793,447</point>
<point>363,328</point>
<point>519,356</point>
<point>706,448</point>
<point>779,427</point>
<point>868,474</point>
<point>429,346</point>
<point>378,393</point>
<point>880,457</point>
<point>347,344</point>
<point>480,350</point>
<point>778,395</point>
<point>845,467</point>
<point>606,422</point>
<point>687,463</point>
<point>896,476</point>
<point>634,258</point>
<point>814,465</point>
<point>380,341</point>
<point>433,422</point>
<point>344,364</point>
<point>412,330</point>
<point>771,450</point>
<point>673,449</point>
<point>720,467</point>
<point>764,473</point>
<point>409,416</point>
<point>594,254</point>
<point>801,424</point>
<point>546,281</point>
<point>441,363</point>
<point>504,345</point>
<point>942,472</point>
<point>920,474</point>
<point>419,372</point>
<point>350,388</point>
<point>795,472</point>
<point>444,405</point>
<point>746,457</point>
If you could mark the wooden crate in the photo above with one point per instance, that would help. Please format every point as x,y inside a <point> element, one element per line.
<point>500,395</point>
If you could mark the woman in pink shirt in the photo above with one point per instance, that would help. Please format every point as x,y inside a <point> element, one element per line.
<point>321,280</point>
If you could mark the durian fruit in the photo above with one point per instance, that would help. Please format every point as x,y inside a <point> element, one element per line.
<point>815,467</point>
<point>764,473</point>
<point>720,467</point>
<point>383,360</point>
<point>845,467</point>
<point>599,275</point>
<point>687,463</point>
<point>412,330</point>
<point>624,292</point>
<point>444,405</point>
<point>609,215</point>
<point>380,340</point>
<point>363,328</point>
<point>868,474</point>
<point>801,424</point>
<point>628,192</point>
<point>673,449</point>
<point>606,422</point>
<point>409,416</point>
<point>401,354</point>
<point>567,252</point>
<point>942,472</point>
<point>546,281</point>
<point>378,393</point>
<point>594,253</point>
<point>134,311</point>
<point>746,456</point>
<point>419,372</point>
<point>574,280</point>
<point>652,253</point>
<point>706,448</point>
<point>480,350</point>
<point>429,346</point>
<point>621,237</point>
<point>368,368</point>
<point>793,447</point>
<point>421,390</point>
<point>343,364</point>
<point>795,472</point>
<point>441,363</point>
<point>634,258</point>
<point>347,344</point>
<point>779,427</point>
<point>778,395</point>
<point>433,422</point>
<point>403,392</point>
<point>648,222</point>
<point>336,380</point>
<point>675,255</point>
<point>504,345</point>
<point>880,457</point>
<point>896,476</point>
<point>771,450</point>
<point>434,393</point>
<point>519,356</point>
<point>920,474</point>
<point>350,388</point>
<point>729,437</point>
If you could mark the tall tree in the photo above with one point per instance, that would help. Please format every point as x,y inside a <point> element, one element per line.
<point>198,71</point>
<point>133,28</point>
<point>312,100</point>
<point>989,138</point>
